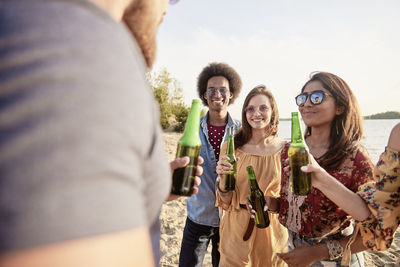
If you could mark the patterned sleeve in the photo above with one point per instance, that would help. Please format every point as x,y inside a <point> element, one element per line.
<point>383,199</point>
<point>363,171</point>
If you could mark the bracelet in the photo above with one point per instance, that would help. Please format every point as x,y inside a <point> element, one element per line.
<point>335,249</point>
<point>221,193</point>
<point>277,210</point>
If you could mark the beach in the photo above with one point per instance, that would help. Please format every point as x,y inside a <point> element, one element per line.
<point>173,217</point>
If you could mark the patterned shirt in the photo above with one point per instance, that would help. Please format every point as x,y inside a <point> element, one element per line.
<point>315,215</point>
<point>216,135</point>
<point>383,199</point>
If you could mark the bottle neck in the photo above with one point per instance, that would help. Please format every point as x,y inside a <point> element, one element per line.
<point>252,178</point>
<point>191,135</point>
<point>297,136</point>
<point>231,144</point>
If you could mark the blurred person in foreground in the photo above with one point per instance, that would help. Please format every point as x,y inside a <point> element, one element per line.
<point>83,170</point>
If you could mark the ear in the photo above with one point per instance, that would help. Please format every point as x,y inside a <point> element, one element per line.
<point>339,110</point>
<point>230,95</point>
<point>205,95</point>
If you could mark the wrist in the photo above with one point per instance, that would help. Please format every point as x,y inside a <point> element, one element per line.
<point>274,206</point>
<point>322,252</point>
<point>222,193</point>
<point>335,249</point>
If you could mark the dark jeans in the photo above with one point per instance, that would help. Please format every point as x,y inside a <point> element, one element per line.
<point>196,238</point>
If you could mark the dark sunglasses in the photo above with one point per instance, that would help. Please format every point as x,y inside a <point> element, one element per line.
<point>252,109</point>
<point>316,98</point>
<point>211,92</point>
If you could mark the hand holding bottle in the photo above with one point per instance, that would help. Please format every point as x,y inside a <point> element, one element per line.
<point>228,174</point>
<point>271,204</point>
<point>223,165</point>
<point>189,145</point>
<point>257,200</point>
<point>182,162</point>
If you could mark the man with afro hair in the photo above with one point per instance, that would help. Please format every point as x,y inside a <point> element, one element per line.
<point>218,86</point>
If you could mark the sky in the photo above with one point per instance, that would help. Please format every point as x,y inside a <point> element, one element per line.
<point>280,42</point>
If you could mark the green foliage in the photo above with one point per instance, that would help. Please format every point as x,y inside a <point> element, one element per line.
<point>181,113</point>
<point>384,115</point>
<point>168,94</point>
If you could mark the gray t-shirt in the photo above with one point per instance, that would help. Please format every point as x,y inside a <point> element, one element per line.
<point>81,149</point>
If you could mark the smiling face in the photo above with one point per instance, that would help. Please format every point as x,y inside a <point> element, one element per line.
<point>258,112</point>
<point>321,114</point>
<point>217,93</point>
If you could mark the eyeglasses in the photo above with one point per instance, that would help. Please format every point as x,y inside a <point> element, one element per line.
<point>211,92</point>
<point>173,1</point>
<point>251,109</point>
<point>316,98</point>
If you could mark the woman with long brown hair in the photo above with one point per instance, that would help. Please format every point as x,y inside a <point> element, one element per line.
<point>318,229</point>
<point>257,144</point>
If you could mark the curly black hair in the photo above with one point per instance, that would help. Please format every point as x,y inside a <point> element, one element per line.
<point>219,69</point>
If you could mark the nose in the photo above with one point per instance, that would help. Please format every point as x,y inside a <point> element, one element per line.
<point>308,101</point>
<point>218,93</point>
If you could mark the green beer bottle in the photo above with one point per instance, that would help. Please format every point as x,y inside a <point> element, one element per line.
<point>257,200</point>
<point>189,145</point>
<point>298,156</point>
<point>228,181</point>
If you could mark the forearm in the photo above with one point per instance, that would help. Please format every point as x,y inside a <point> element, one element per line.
<point>273,204</point>
<point>225,196</point>
<point>321,251</point>
<point>343,197</point>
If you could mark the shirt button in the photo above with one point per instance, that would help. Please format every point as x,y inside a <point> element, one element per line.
<point>212,158</point>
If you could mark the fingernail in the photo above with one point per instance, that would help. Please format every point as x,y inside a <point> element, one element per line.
<point>252,216</point>
<point>303,168</point>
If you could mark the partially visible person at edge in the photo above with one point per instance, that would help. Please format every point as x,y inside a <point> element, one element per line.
<point>376,204</point>
<point>80,134</point>
<point>256,144</point>
<point>319,229</point>
<point>218,85</point>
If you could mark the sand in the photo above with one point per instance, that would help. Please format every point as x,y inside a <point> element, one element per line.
<point>173,217</point>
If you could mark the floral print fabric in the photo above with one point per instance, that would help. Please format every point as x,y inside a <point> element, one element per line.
<point>315,215</point>
<point>383,199</point>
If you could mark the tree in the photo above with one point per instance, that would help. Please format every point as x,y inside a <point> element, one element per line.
<point>384,115</point>
<point>168,93</point>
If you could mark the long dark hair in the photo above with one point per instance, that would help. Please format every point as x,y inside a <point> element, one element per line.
<point>244,134</point>
<point>346,128</point>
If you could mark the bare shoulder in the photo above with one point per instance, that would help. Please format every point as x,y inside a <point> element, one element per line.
<point>394,138</point>
<point>281,143</point>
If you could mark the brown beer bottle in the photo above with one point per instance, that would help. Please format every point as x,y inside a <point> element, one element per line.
<point>298,157</point>
<point>189,145</point>
<point>228,181</point>
<point>257,200</point>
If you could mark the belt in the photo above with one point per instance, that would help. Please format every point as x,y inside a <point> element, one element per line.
<point>250,226</point>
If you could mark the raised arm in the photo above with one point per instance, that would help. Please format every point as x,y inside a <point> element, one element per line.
<point>343,197</point>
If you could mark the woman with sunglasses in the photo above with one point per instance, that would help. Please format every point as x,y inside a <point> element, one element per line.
<point>257,144</point>
<point>318,229</point>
